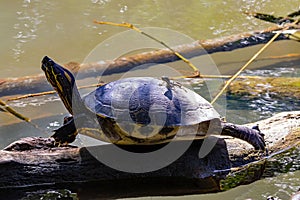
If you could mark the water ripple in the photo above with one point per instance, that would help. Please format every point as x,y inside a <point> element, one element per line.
<point>29,18</point>
<point>274,72</point>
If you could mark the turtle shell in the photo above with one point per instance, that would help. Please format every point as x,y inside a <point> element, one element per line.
<point>145,100</point>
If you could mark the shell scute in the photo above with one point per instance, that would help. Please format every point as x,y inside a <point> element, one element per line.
<point>145,100</point>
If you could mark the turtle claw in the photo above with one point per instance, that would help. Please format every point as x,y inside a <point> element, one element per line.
<point>59,144</point>
<point>63,138</point>
<point>261,145</point>
<point>256,127</point>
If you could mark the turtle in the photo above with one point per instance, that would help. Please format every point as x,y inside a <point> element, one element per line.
<point>139,110</point>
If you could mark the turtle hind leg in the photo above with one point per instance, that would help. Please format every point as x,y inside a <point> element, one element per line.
<point>250,135</point>
<point>65,134</point>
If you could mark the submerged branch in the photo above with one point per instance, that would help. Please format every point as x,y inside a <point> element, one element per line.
<point>244,67</point>
<point>249,86</point>
<point>30,84</point>
<point>275,87</point>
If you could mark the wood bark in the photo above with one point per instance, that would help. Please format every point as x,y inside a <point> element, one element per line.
<point>35,165</point>
<point>22,165</point>
<point>30,84</point>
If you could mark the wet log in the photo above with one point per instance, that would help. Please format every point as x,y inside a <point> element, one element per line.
<point>30,84</point>
<point>34,166</point>
<point>76,168</point>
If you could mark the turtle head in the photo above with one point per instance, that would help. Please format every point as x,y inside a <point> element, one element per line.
<point>62,80</point>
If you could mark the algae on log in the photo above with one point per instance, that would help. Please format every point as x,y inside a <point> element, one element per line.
<point>34,164</point>
<point>282,136</point>
<point>275,87</point>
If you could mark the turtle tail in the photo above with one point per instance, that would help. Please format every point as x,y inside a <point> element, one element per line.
<point>250,135</point>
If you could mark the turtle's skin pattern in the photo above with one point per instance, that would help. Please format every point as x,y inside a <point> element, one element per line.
<point>138,110</point>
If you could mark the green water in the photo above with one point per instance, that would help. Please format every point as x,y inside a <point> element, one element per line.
<point>64,30</point>
<point>281,187</point>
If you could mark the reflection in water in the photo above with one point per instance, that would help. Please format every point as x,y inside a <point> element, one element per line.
<point>275,72</point>
<point>280,188</point>
<point>264,106</point>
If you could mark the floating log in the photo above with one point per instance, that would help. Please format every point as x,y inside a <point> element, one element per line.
<point>29,84</point>
<point>250,87</point>
<point>34,166</point>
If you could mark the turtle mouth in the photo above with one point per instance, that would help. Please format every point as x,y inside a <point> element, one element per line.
<point>46,63</point>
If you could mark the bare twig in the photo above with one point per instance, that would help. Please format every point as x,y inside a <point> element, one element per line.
<point>242,69</point>
<point>12,111</point>
<point>249,62</point>
<point>49,92</point>
<point>131,26</point>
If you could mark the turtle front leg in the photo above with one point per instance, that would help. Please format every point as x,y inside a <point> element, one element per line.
<point>250,135</point>
<point>65,134</point>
